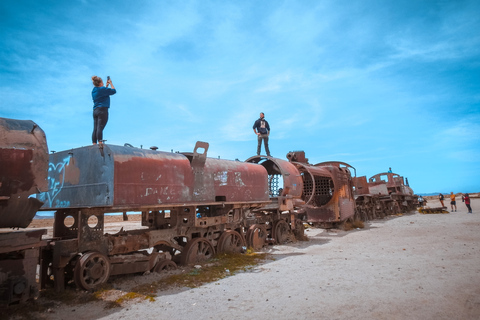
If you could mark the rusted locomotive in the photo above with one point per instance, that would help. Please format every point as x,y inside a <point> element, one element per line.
<point>23,172</point>
<point>384,194</point>
<point>191,206</point>
<point>320,194</point>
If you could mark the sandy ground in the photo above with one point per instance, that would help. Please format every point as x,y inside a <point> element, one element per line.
<point>414,266</point>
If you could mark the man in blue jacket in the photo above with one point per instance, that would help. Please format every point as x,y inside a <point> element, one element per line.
<point>262,130</point>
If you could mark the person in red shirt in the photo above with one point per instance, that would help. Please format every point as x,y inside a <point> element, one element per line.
<point>467,203</point>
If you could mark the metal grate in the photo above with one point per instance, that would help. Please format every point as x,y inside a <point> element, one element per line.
<point>273,184</point>
<point>323,189</point>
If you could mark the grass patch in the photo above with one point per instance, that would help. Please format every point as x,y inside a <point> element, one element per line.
<point>223,265</point>
<point>356,224</point>
<point>132,296</point>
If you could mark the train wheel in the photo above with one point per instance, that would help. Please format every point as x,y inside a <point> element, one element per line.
<point>165,265</point>
<point>256,236</point>
<point>197,250</point>
<point>281,231</point>
<point>91,270</point>
<point>230,241</point>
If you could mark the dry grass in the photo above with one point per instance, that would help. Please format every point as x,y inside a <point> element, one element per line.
<point>223,265</point>
<point>356,224</point>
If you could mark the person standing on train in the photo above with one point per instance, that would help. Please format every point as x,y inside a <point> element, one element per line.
<point>453,203</point>
<point>101,103</point>
<point>262,129</point>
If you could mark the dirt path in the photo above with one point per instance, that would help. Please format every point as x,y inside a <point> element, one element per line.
<point>410,267</point>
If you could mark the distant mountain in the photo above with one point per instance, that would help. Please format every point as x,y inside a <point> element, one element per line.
<point>444,193</point>
<point>431,194</point>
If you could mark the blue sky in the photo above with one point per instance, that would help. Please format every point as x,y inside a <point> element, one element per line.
<point>376,84</point>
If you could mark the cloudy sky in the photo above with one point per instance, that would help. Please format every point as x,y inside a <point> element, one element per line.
<point>373,83</point>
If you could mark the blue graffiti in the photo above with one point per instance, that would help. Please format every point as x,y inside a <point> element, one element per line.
<point>62,204</point>
<point>56,179</point>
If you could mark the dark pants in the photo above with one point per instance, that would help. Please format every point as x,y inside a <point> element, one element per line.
<point>263,137</point>
<point>100,119</point>
<point>469,208</point>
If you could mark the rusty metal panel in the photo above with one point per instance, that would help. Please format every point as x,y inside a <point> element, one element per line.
<point>21,240</point>
<point>23,171</point>
<point>378,188</point>
<point>385,183</point>
<point>81,177</point>
<point>361,185</point>
<point>328,192</point>
<point>276,169</point>
<point>235,181</point>
<point>117,177</point>
<point>19,264</point>
<point>150,178</point>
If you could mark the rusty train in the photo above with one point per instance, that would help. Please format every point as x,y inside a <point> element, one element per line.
<point>191,206</point>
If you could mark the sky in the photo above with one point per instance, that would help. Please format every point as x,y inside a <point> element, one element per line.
<point>372,83</point>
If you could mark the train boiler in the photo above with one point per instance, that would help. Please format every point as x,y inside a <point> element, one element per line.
<point>192,206</point>
<point>23,173</point>
<point>321,194</point>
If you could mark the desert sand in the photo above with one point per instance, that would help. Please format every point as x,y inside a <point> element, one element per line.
<point>415,266</point>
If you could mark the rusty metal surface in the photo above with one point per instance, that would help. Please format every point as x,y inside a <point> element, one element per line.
<point>384,194</point>
<point>130,178</point>
<point>225,180</point>
<point>281,174</point>
<point>324,192</point>
<point>23,171</point>
<point>328,191</point>
<point>393,182</point>
<point>114,176</point>
<point>360,185</point>
<point>18,265</point>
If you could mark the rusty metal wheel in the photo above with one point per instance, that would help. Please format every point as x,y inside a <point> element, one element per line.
<point>197,250</point>
<point>256,236</point>
<point>230,241</point>
<point>281,231</point>
<point>165,265</point>
<point>91,270</point>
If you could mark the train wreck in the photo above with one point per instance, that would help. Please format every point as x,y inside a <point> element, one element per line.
<point>24,159</point>
<point>191,207</point>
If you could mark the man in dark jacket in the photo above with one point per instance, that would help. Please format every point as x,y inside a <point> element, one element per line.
<point>262,130</point>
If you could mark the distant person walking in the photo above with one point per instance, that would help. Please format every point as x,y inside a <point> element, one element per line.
<point>101,103</point>
<point>440,197</point>
<point>453,203</point>
<point>467,203</point>
<point>421,201</point>
<point>262,130</point>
